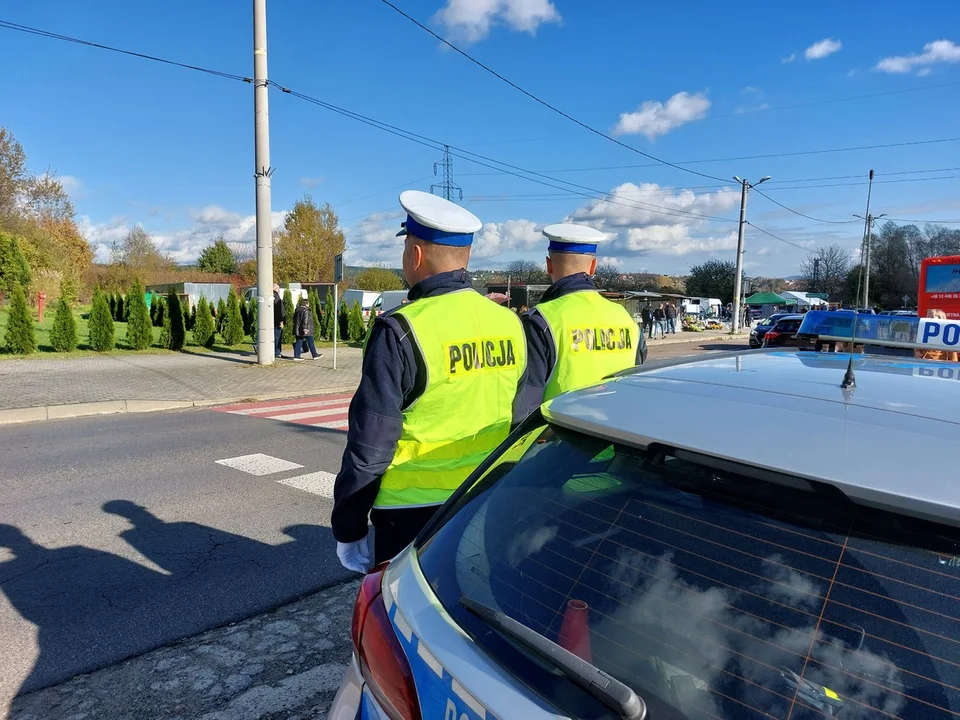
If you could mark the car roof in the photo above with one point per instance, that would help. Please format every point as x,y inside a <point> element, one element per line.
<point>892,441</point>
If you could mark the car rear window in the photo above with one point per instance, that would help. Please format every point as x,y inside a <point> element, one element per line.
<point>714,593</point>
<point>788,326</point>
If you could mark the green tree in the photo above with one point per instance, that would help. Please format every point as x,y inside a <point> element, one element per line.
<point>14,268</point>
<point>356,328</point>
<point>329,315</point>
<point>218,258</point>
<point>139,327</point>
<point>190,318</point>
<point>370,321</point>
<point>712,279</point>
<point>101,323</point>
<point>160,317</point>
<point>245,316</point>
<point>203,328</point>
<point>378,279</point>
<point>316,311</point>
<point>165,336</point>
<point>63,334</point>
<point>121,309</point>
<point>286,337</point>
<point>253,321</point>
<point>221,314</point>
<point>178,335</point>
<point>233,327</point>
<point>20,338</point>
<point>306,246</point>
<point>112,305</point>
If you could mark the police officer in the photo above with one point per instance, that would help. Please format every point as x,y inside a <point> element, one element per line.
<point>440,388</point>
<point>575,337</point>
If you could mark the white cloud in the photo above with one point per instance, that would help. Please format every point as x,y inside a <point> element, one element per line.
<point>822,49</point>
<point>789,58</point>
<point>496,239</point>
<point>310,182</point>
<point>471,20</point>
<point>70,184</point>
<point>374,240</point>
<point>938,51</point>
<point>183,245</point>
<point>654,118</point>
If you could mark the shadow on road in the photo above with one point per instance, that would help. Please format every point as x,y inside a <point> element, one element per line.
<point>94,608</point>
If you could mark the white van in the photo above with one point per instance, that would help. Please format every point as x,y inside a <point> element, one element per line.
<point>296,293</point>
<point>366,298</point>
<point>389,300</point>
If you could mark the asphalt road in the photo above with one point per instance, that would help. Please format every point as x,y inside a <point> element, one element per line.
<point>121,534</point>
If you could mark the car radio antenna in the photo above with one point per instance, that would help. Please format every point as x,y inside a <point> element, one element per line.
<point>849,379</point>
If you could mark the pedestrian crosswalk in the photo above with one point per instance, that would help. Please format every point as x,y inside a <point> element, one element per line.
<point>326,411</point>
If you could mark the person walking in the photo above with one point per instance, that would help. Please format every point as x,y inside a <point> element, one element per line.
<point>659,316</point>
<point>440,387</point>
<point>646,317</point>
<point>576,337</point>
<point>671,314</point>
<point>303,330</point>
<point>279,313</point>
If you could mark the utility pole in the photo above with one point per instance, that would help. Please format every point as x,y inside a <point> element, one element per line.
<point>868,221</point>
<point>262,173</point>
<point>816,274</point>
<point>738,277</point>
<point>448,188</point>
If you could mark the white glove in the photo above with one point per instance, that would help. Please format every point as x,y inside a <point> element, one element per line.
<point>355,555</point>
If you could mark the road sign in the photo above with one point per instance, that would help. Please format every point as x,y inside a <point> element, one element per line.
<point>906,299</point>
<point>338,268</point>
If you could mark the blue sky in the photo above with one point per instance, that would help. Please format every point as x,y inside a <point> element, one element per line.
<point>139,142</point>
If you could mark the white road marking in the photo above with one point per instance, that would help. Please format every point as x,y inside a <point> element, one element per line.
<point>292,406</point>
<point>307,414</point>
<point>258,464</point>
<point>318,483</point>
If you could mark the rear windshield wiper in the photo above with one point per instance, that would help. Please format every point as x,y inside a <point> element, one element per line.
<point>611,692</point>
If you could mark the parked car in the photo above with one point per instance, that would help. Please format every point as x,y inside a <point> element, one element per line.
<point>366,298</point>
<point>757,333</point>
<point>614,560</point>
<point>784,334</point>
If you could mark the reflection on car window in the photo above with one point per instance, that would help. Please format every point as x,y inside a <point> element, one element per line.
<point>712,594</point>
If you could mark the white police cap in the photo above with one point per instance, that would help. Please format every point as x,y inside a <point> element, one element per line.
<point>431,218</point>
<point>569,238</point>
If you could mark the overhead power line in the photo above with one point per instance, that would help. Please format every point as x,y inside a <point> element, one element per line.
<point>804,215</point>
<point>6,24</point>
<point>776,237</point>
<point>927,222</point>
<point>750,157</point>
<point>541,101</point>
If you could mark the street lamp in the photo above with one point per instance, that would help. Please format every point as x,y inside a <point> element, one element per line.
<point>744,186</point>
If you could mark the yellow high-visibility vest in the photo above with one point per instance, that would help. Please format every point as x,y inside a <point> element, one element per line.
<point>474,353</point>
<point>593,336</point>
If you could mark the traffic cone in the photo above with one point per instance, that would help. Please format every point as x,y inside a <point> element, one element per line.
<point>575,630</point>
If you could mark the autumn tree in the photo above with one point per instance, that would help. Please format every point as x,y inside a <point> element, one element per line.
<point>304,250</point>
<point>218,258</point>
<point>14,268</point>
<point>378,279</point>
<point>139,255</point>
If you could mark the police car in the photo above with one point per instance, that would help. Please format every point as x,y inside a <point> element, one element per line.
<point>613,560</point>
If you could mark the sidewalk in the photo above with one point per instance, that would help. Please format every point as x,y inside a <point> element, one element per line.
<point>696,337</point>
<point>46,389</point>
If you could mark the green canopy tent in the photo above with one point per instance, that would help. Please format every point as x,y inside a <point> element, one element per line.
<point>766,298</point>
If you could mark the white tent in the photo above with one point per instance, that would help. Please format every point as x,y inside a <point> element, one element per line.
<point>803,299</point>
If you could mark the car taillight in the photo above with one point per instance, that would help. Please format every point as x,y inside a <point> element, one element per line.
<point>383,663</point>
<point>771,335</point>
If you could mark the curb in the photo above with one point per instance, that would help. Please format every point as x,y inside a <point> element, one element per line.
<point>696,337</point>
<point>16,416</point>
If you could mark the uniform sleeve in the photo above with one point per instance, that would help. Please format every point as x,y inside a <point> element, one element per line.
<point>541,357</point>
<point>374,427</point>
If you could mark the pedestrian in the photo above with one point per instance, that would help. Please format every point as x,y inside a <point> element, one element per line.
<point>576,337</point>
<point>304,329</point>
<point>279,313</point>
<point>440,388</point>
<point>659,316</point>
<point>671,314</point>
<point>646,317</point>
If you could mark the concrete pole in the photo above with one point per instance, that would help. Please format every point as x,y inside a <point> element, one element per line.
<point>737,307</point>
<point>263,171</point>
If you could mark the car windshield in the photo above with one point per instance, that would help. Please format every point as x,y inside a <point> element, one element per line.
<point>713,592</point>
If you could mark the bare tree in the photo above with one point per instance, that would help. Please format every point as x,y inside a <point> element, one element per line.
<point>607,276</point>
<point>526,272</point>
<point>825,270</point>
